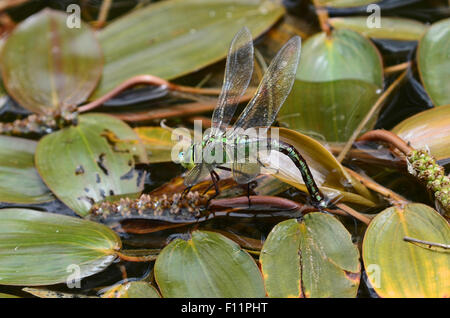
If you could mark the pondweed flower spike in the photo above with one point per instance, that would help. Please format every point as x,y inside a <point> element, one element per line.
<point>40,123</point>
<point>422,165</point>
<point>173,208</point>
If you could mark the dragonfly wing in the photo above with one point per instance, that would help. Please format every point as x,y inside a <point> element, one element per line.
<point>196,174</point>
<point>263,108</point>
<point>238,73</point>
<point>245,172</point>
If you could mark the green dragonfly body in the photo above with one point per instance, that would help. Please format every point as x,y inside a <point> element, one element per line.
<point>241,146</point>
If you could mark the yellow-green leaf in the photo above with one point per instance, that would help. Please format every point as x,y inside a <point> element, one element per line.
<point>158,142</point>
<point>397,268</point>
<point>132,290</point>
<point>428,129</point>
<point>328,173</point>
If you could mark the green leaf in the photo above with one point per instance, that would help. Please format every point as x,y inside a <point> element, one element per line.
<point>339,78</point>
<point>311,258</point>
<point>19,180</point>
<point>164,41</point>
<point>397,268</point>
<point>428,129</point>
<point>345,3</point>
<point>132,290</point>
<point>345,54</point>
<point>328,173</point>
<point>208,265</point>
<point>434,63</point>
<point>47,65</point>
<point>88,162</point>
<point>41,248</point>
<point>390,28</point>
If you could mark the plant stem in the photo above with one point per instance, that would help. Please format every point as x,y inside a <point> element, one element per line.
<point>103,13</point>
<point>322,15</point>
<point>353,213</point>
<point>375,108</point>
<point>392,197</point>
<point>137,258</point>
<point>149,80</point>
<point>396,68</point>
<point>389,137</point>
<point>413,240</point>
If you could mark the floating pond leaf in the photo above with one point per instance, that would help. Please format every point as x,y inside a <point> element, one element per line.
<point>48,66</point>
<point>86,163</point>
<point>397,268</point>
<point>433,62</point>
<point>328,173</point>
<point>391,28</point>
<point>19,180</point>
<point>339,78</point>
<point>314,257</point>
<point>132,290</point>
<point>207,265</point>
<point>41,248</point>
<point>164,41</point>
<point>428,129</point>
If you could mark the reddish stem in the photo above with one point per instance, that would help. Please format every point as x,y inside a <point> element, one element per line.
<point>387,136</point>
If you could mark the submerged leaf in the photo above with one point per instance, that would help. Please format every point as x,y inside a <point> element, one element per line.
<point>311,258</point>
<point>19,180</point>
<point>397,268</point>
<point>339,78</point>
<point>95,159</point>
<point>164,41</point>
<point>208,265</point>
<point>39,248</point>
<point>48,66</point>
<point>434,63</point>
<point>428,129</point>
<point>390,28</point>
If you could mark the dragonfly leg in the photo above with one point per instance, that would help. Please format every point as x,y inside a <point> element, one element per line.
<point>250,187</point>
<point>215,180</point>
<point>186,191</point>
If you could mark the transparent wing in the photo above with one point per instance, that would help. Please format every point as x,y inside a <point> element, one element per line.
<point>245,172</point>
<point>263,108</point>
<point>196,174</point>
<point>238,73</point>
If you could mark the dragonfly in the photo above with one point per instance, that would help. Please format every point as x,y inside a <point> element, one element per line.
<point>234,146</point>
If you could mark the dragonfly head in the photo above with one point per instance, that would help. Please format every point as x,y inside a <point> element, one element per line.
<point>186,158</point>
